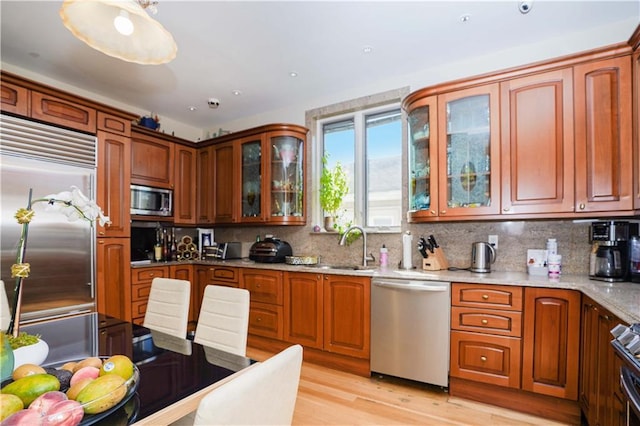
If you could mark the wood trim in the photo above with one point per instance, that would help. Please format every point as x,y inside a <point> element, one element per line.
<point>7,77</point>
<point>634,40</point>
<point>257,130</point>
<point>612,51</point>
<point>561,410</point>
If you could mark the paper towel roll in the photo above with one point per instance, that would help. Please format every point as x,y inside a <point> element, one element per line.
<point>407,247</point>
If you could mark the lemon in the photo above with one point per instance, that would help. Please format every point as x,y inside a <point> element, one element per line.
<point>118,364</point>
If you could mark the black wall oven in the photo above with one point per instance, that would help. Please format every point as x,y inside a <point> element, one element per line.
<point>627,346</point>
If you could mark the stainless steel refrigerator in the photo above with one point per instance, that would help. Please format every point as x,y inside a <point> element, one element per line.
<point>61,253</point>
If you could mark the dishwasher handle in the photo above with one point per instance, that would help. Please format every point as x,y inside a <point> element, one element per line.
<point>412,285</point>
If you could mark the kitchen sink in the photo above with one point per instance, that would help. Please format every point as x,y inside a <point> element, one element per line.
<point>346,267</point>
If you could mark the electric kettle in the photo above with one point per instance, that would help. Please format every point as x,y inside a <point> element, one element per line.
<point>482,256</point>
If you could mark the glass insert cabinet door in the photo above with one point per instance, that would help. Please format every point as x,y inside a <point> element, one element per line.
<point>287,177</point>
<point>469,140</point>
<point>423,162</point>
<point>251,152</point>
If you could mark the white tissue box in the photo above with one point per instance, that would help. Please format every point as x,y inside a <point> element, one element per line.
<point>537,262</point>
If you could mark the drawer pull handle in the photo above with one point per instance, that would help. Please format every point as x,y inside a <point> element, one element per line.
<point>485,297</point>
<point>151,274</point>
<point>258,319</point>
<point>483,358</point>
<point>485,322</point>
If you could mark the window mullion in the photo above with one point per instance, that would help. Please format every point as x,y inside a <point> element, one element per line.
<point>360,170</point>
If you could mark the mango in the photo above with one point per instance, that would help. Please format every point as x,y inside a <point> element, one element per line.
<point>83,373</point>
<point>118,364</point>
<point>45,401</point>
<point>22,418</point>
<point>74,390</point>
<point>30,387</point>
<point>64,413</point>
<point>102,393</point>
<point>93,361</point>
<point>26,370</point>
<point>9,404</point>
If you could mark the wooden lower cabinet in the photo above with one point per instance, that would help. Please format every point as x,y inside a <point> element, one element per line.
<point>115,337</point>
<point>266,295</point>
<point>141,279</point>
<point>303,319</point>
<point>600,398</point>
<point>330,315</point>
<point>113,280</point>
<point>551,342</point>
<point>347,315</point>
<point>516,347</point>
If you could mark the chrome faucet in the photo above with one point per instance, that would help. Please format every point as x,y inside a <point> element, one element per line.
<point>343,239</point>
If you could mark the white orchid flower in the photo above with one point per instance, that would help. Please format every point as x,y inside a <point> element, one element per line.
<point>75,205</point>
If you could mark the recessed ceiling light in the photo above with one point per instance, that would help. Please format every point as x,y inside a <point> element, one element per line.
<point>465,18</point>
<point>236,92</point>
<point>367,49</point>
<point>293,74</point>
<point>192,108</point>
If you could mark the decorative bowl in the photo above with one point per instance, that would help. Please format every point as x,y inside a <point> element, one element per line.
<point>302,260</point>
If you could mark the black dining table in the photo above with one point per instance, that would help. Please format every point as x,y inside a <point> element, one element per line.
<point>171,369</point>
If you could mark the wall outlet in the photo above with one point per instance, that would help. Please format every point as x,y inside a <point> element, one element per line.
<point>493,240</point>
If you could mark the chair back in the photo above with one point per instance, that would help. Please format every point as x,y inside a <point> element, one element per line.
<point>5,311</point>
<point>265,394</point>
<point>223,322</point>
<point>168,306</point>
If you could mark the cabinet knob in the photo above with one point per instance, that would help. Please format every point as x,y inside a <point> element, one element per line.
<point>485,297</point>
<point>100,241</point>
<point>101,233</point>
<point>257,285</point>
<point>506,209</point>
<point>103,332</point>
<point>433,212</point>
<point>485,322</point>
<point>151,274</point>
<point>483,358</point>
<point>582,206</point>
<point>258,319</point>
<point>443,212</point>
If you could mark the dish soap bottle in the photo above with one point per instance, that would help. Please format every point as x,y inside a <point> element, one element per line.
<point>384,256</point>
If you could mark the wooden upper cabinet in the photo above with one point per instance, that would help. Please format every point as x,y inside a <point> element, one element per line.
<point>636,129</point>
<point>152,161</point>
<point>62,112</point>
<point>604,164</point>
<point>15,99</point>
<point>469,152</point>
<point>225,183</point>
<point>184,202</point>
<point>113,183</point>
<point>113,124</point>
<point>537,143</point>
<point>204,185</point>
<point>551,342</point>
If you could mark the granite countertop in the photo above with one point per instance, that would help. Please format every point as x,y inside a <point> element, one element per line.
<point>622,298</point>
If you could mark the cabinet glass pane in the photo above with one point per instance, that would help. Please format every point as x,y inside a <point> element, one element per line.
<point>468,152</point>
<point>286,176</point>
<point>251,178</point>
<point>419,167</point>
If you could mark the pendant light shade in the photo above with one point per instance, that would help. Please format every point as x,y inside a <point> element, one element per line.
<point>102,24</point>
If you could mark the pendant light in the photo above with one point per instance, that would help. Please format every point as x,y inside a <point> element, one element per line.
<point>120,28</point>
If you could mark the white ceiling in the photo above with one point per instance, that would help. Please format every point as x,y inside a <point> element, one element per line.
<point>252,47</point>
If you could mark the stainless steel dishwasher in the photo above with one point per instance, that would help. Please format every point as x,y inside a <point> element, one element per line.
<point>410,329</point>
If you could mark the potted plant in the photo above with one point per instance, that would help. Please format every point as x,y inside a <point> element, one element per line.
<point>333,188</point>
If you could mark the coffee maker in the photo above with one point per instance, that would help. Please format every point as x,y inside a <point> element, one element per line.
<point>610,241</point>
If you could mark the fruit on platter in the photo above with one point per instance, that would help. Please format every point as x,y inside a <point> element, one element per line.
<point>47,396</point>
<point>9,404</point>
<point>28,388</point>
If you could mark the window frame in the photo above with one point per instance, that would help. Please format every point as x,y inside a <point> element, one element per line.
<point>360,182</point>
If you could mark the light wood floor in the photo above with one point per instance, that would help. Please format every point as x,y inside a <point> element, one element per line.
<point>330,397</point>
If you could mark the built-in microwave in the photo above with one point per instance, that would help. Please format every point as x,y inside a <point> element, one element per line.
<point>150,201</point>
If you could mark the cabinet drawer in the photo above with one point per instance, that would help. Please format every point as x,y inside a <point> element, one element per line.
<point>223,273</point>
<point>14,98</point>
<point>65,113</point>
<point>138,309</point>
<point>264,286</point>
<point>266,320</point>
<point>148,274</point>
<point>140,292</point>
<point>486,358</point>
<point>112,124</point>
<point>505,323</point>
<point>488,296</point>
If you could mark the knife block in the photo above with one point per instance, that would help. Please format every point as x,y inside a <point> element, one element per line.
<point>436,261</point>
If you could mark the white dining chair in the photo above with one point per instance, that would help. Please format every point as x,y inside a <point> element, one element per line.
<point>168,306</point>
<point>5,311</point>
<point>265,394</point>
<point>223,322</point>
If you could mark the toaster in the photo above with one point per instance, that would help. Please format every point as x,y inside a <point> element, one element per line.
<point>270,250</point>
<point>221,251</point>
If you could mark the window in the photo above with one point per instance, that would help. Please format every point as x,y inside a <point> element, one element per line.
<point>368,144</point>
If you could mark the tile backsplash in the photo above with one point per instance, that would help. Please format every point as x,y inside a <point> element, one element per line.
<point>455,238</point>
